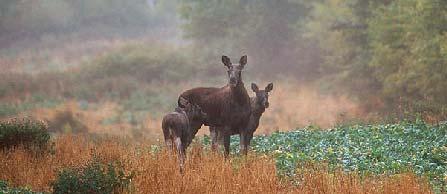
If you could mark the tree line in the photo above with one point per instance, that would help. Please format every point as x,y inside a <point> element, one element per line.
<point>385,52</point>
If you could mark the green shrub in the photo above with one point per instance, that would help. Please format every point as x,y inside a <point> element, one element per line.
<point>26,132</point>
<point>94,178</point>
<point>4,188</point>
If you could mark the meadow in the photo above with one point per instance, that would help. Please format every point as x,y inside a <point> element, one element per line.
<point>156,171</point>
<point>391,158</point>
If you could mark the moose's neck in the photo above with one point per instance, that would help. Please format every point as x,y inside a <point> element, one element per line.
<point>256,108</point>
<point>240,93</point>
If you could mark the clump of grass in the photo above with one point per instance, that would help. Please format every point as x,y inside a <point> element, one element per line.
<point>95,177</point>
<point>5,188</point>
<point>24,132</point>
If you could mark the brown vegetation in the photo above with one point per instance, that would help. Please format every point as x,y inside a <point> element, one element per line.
<point>291,106</point>
<point>204,173</point>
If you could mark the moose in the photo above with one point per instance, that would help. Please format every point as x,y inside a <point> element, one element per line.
<point>180,127</point>
<point>258,105</point>
<point>227,108</point>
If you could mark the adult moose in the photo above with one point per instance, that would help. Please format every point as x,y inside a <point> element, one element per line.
<point>258,105</point>
<point>228,107</point>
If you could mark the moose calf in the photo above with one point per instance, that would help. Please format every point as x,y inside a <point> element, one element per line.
<point>258,104</point>
<point>177,128</point>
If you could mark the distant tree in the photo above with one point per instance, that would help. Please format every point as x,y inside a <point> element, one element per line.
<point>268,31</point>
<point>409,52</point>
<point>340,29</point>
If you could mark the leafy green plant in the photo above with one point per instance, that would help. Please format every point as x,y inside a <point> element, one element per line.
<point>96,177</point>
<point>26,132</point>
<point>4,188</point>
<point>367,149</point>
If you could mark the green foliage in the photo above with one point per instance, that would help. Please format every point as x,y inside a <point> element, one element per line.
<point>408,45</point>
<point>96,177</point>
<point>390,49</point>
<point>339,29</point>
<point>29,133</point>
<point>377,149</point>
<point>4,188</point>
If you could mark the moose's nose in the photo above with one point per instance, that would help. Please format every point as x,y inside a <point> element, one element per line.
<point>233,80</point>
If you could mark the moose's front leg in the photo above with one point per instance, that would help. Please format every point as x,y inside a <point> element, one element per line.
<point>244,142</point>
<point>226,142</point>
<point>214,138</point>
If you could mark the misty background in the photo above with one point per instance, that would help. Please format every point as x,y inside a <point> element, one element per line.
<point>112,66</point>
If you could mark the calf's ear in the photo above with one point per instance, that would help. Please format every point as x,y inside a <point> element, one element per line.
<point>254,87</point>
<point>269,87</point>
<point>226,61</point>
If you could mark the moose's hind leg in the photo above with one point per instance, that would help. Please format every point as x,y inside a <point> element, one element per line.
<point>180,152</point>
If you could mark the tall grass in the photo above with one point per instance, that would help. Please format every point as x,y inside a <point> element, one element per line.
<point>157,172</point>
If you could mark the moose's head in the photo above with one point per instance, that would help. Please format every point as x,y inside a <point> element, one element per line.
<point>234,70</point>
<point>262,96</point>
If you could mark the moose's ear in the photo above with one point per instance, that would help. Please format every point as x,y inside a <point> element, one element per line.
<point>226,61</point>
<point>254,87</point>
<point>243,60</point>
<point>269,87</point>
<point>183,101</point>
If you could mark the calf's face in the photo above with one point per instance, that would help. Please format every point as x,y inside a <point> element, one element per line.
<point>262,96</point>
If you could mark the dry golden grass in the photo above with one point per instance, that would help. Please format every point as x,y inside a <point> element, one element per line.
<point>205,172</point>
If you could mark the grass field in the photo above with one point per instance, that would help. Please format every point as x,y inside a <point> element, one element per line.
<point>400,158</point>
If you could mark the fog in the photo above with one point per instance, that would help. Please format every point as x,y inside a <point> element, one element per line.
<point>117,66</point>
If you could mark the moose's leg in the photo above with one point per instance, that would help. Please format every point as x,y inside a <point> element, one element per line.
<point>214,138</point>
<point>249,137</point>
<point>226,142</point>
<point>168,137</point>
<point>243,143</point>
<point>180,152</point>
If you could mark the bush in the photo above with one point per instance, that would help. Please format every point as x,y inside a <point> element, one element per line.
<point>66,122</point>
<point>96,177</point>
<point>4,188</point>
<point>26,132</point>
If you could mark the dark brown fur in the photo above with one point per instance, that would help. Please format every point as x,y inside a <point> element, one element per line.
<point>228,107</point>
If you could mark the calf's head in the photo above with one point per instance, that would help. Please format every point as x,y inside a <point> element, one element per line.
<point>234,70</point>
<point>262,96</point>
